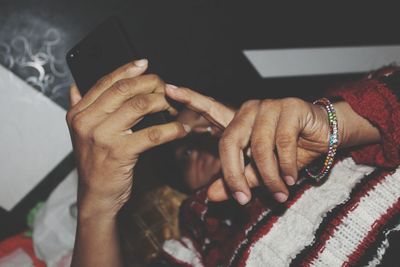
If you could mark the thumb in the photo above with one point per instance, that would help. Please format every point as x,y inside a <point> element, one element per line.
<point>213,111</point>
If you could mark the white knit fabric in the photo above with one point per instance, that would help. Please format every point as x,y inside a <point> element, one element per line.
<point>184,251</point>
<point>356,225</point>
<point>262,215</point>
<point>296,228</point>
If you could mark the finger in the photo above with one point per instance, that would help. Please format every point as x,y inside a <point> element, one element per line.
<point>197,122</point>
<point>128,70</point>
<point>287,132</point>
<point>215,112</point>
<point>113,98</point>
<point>234,139</point>
<point>218,191</point>
<point>74,96</point>
<point>262,148</point>
<point>152,137</point>
<point>133,110</point>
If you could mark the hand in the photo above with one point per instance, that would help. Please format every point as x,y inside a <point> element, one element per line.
<point>105,147</point>
<point>281,136</point>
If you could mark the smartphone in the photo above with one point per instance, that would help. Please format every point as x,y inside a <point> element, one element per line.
<point>102,51</point>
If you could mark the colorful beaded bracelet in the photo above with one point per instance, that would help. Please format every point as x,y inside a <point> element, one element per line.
<point>333,140</point>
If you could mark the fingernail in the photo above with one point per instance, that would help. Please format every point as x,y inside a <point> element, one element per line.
<point>289,180</point>
<point>280,197</point>
<point>187,128</point>
<point>241,198</point>
<point>171,86</point>
<point>141,62</point>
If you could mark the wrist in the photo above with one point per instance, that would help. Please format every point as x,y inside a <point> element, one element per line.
<point>95,207</point>
<point>89,213</point>
<point>105,202</point>
<point>354,130</point>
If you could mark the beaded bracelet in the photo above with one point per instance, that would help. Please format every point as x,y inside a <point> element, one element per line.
<point>333,140</point>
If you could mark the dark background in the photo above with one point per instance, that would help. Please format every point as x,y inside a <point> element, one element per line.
<point>195,43</point>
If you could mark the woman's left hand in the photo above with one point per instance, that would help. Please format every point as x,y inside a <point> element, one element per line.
<point>281,136</point>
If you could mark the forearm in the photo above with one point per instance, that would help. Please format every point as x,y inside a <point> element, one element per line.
<point>97,241</point>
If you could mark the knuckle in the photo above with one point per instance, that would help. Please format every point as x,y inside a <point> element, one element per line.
<point>292,102</point>
<point>267,102</point>
<point>139,104</point>
<point>69,117</point>
<point>78,124</point>
<point>154,135</point>
<point>270,105</point>
<point>250,104</point>
<point>284,140</point>
<point>155,79</point>
<point>122,87</point>
<point>258,152</point>
<point>103,81</point>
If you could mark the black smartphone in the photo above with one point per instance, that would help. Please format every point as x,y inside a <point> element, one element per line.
<point>102,51</point>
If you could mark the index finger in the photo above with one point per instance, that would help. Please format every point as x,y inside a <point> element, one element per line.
<point>234,139</point>
<point>215,112</point>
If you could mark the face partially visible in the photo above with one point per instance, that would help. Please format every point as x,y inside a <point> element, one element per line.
<point>197,154</point>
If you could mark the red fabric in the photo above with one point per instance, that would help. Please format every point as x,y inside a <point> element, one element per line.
<point>20,241</point>
<point>374,101</point>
